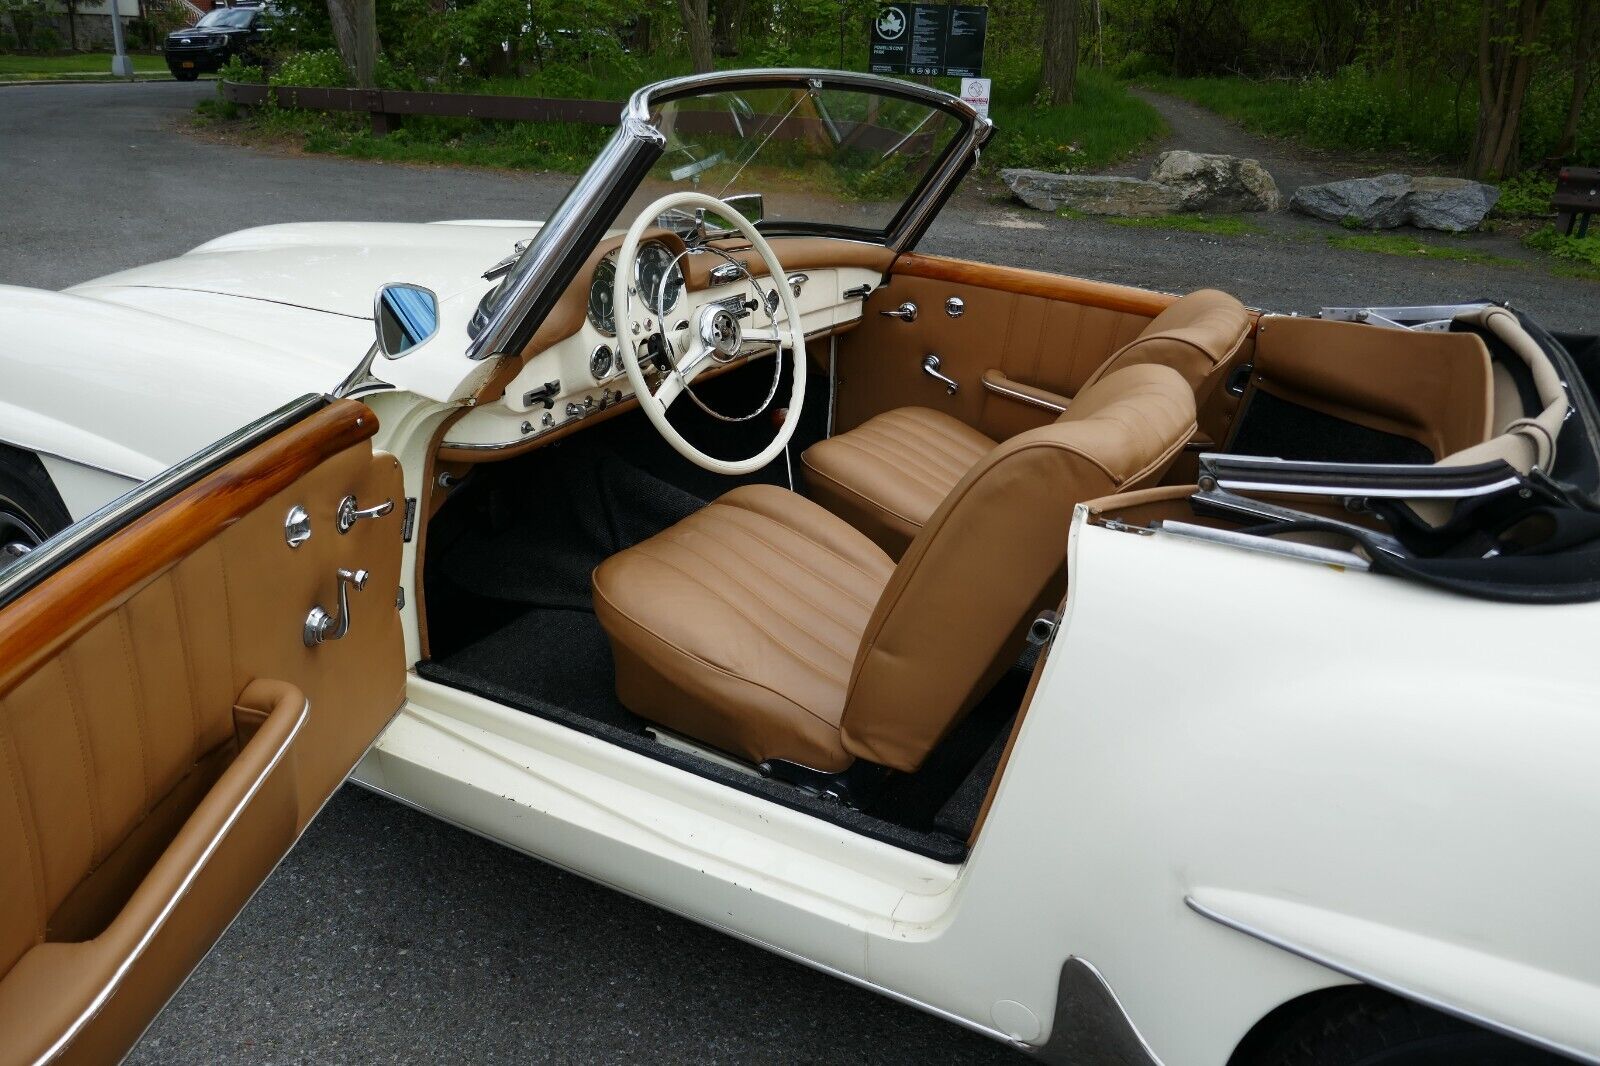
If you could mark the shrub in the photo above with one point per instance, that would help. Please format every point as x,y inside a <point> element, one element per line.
<point>1584,251</point>
<point>321,69</point>
<point>236,69</point>
<point>1526,195</point>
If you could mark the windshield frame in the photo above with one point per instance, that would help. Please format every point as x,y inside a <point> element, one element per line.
<point>552,260</point>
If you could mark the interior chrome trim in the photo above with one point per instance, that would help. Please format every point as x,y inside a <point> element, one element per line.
<point>1367,978</point>
<point>95,528</point>
<point>1288,549</point>
<point>1021,397</point>
<point>1403,481</point>
<point>177,897</point>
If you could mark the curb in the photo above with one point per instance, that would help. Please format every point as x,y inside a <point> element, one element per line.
<point>93,79</point>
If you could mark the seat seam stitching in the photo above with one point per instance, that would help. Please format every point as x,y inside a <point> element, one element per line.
<point>926,453</point>
<point>30,828</point>
<point>878,457</point>
<point>753,535</point>
<point>736,609</point>
<point>137,687</point>
<point>869,501</point>
<point>188,666</point>
<point>798,593</point>
<point>956,448</point>
<point>678,540</point>
<point>819,546</point>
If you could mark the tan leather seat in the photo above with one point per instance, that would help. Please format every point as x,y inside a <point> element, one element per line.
<point>767,627</point>
<point>888,475</point>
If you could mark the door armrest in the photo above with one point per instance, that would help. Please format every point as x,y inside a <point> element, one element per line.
<point>996,382</point>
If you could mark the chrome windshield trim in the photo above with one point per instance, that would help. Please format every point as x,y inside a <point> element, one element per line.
<point>551,261</point>
<point>1402,481</point>
<point>1287,549</point>
<point>1356,973</point>
<point>83,535</point>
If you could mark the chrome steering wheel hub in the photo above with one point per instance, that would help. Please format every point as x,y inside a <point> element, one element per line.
<point>720,333</point>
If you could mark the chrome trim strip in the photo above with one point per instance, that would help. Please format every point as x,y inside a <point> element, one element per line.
<point>1288,549</point>
<point>1021,397</point>
<point>85,534</point>
<point>1366,978</point>
<point>155,926</point>
<point>859,982</point>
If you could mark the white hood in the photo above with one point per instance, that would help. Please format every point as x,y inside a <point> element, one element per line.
<point>134,371</point>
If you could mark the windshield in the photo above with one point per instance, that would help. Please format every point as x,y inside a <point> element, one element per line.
<point>236,19</point>
<point>820,158</point>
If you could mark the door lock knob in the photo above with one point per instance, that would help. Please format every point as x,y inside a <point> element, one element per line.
<point>350,512</point>
<point>906,312</point>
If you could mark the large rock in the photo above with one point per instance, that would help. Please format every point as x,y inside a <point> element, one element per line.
<point>1223,183</point>
<point>1093,194</point>
<point>1389,200</point>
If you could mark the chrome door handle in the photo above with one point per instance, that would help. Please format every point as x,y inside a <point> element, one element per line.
<point>930,367</point>
<point>321,626</point>
<point>906,312</point>
<point>350,513</point>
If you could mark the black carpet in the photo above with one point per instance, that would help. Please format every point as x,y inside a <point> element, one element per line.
<point>510,615</point>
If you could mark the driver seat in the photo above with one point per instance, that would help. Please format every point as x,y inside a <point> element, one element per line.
<point>768,627</point>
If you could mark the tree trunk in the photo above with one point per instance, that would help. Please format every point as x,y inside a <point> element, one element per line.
<point>355,31</point>
<point>729,28</point>
<point>697,26</point>
<point>1506,35</point>
<point>1060,75</point>
<point>1585,30</point>
<point>72,25</point>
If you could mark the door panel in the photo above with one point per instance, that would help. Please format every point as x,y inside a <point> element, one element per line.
<point>1041,330</point>
<point>165,732</point>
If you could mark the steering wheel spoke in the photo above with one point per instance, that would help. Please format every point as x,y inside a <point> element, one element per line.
<point>670,389</point>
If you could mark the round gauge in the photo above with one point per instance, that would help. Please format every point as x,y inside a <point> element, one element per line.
<point>658,276</point>
<point>600,362</point>
<point>602,314</point>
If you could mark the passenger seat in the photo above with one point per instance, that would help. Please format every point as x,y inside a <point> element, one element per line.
<point>887,476</point>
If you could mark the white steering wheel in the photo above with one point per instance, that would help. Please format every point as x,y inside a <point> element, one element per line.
<point>716,336</point>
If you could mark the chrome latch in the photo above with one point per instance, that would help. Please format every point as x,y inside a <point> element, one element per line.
<point>930,367</point>
<point>906,312</point>
<point>321,626</point>
<point>350,513</point>
<point>297,526</point>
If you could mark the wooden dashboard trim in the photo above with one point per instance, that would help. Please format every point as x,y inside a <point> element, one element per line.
<point>96,583</point>
<point>1105,294</point>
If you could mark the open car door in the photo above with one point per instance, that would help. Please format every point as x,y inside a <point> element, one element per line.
<point>173,714</point>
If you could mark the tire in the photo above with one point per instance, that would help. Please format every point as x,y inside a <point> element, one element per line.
<point>1365,1027</point>
<point>30,507</point>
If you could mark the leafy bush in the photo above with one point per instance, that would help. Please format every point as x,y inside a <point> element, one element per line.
<point>320,69</point>
<point>236,69</point>
<point>1527,195</point>
<point>1584,251</point>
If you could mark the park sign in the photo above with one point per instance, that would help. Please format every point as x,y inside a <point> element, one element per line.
<point>929,39</point>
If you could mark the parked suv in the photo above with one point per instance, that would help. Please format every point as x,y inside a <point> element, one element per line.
<point>219,36</point>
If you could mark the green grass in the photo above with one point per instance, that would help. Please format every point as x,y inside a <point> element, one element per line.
<point>1220,225</point>
<point>1527,195</point>
<point>1399,244</point>
<point>1104,125</point>
<point>23,66</point>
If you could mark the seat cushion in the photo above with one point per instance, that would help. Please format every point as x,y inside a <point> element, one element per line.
<point>738,626</point>
<point>887,476</point>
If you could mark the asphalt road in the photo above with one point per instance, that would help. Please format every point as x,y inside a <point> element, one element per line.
<point>388,936</point>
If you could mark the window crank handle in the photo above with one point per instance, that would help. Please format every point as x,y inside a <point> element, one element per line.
<point>930,367</point>
<point>321,626</point>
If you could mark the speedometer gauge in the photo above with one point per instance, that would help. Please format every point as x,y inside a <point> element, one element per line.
<point>602,314</point>
<point>658,276</point>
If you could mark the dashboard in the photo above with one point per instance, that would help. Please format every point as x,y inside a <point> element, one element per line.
<point>578,372</point>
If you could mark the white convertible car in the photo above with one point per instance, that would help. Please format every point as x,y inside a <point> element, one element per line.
<point>1132,678</point>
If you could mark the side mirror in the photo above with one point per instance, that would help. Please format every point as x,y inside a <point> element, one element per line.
<point>405,316</point>
<point>749,204</point>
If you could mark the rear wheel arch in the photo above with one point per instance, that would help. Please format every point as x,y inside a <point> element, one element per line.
<point>1359,1025</point>
<point>31,507</point>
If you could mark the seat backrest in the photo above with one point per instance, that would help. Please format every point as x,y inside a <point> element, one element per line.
<point>952,617</point>
<point>1196,336</point>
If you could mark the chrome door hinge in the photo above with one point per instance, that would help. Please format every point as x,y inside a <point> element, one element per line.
<point>408,524</point>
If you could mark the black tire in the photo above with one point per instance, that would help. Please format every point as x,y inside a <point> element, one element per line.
<point>185,75</point>
<point>30,507</point>
<point>1365,1027</point>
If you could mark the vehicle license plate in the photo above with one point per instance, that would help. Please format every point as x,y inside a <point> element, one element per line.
<point>188,62</point>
